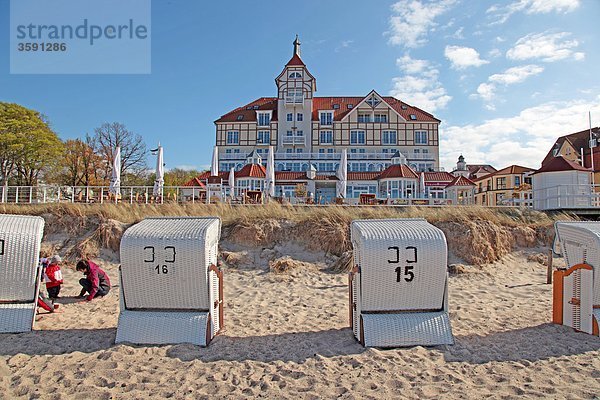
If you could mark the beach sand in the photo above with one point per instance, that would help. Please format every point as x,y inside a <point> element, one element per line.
<point>287,336</point>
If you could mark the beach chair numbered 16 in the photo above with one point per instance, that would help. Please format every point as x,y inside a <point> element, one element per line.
<point>171,288</point>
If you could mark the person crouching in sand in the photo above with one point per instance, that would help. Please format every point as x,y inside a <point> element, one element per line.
<point>53,277</point>
<point>96,282</point>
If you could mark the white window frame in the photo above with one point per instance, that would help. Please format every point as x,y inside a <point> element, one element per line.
<point>357,136</point>
<point>233,137</point>
<point>330,120</point>
<point>386,137</point>
<point>299,117</point>
<point>260,137</point>
<point>294,96</point>
<point>263,114</point>
<point>419,138</point>
<point>325,134</point>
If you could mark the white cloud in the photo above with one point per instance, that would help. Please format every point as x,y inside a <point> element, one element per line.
<point>343,45</point>
<point>412,20</point>
<point>420,85</point>
<point>494,53</point>
<point>503,13</point>
<point>522,139</point>
<point>487,91</point>
<point>463,57</point>
<point>548,47</point>
<point>516,74</point>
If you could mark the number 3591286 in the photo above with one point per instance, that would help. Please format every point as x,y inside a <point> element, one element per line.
<point>405,273</point>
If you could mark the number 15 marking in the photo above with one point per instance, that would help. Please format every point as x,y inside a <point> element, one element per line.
<point>409,275</point>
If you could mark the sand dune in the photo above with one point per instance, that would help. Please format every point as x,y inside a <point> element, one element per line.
<point>286,336</point>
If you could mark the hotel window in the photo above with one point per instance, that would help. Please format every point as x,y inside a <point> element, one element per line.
<point>264,119</point>
<point>326,137</point>
<point>373,101</point>
<point>362,151</point>
<point>288,150</point>
<point>295,75</point>
<point>326,118</point>
<point>420,137</point>
<point>500,183</point>
<point>353,151</point>
<point>357,137</point>
<point>321,151</point>
<point>389,137</point>
<point>290,117</point>
<point>299,151</point>
<point>263,137</point>
<point>294,95</point>
<point>517,181</point>
<point>364,118</point>
<point>330,151</point>
<point>299,117</point>
<point>233,137</point>
<point>236,151</point>
<point>380,118</point>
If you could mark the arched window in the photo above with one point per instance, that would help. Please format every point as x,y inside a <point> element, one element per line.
<point>295,75</point>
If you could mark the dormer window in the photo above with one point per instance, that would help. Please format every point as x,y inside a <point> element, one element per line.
<point>373,101</point>
<point>295,75</point>
<point>264,118</point>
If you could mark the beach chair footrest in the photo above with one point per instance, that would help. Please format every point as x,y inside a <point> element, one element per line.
<point>17,318</point>
<point>407,329</point>
<point>163,327</point>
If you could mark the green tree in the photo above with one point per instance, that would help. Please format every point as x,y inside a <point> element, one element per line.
<point>28,146</point>
<point>78,166</point>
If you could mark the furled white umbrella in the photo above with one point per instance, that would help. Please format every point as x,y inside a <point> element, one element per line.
<point>231,182</point>
<point>214,166</point>
<point>270,174</point>
<point>422,184</point>
<point>115,180</point>
<point>159,181</point>
<point>342,175</point>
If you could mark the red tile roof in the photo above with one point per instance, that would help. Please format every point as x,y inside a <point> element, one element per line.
<point>512,169</point>
<point>461,181</point>
<point>248,112</point>
<point>398,171</point>
<point>195,182</point>
<point>326,178</point>
<point>290,176</point>
<point>363,176</point>
<point>560,163</point>
<point>251,171</point>
<point>578,140</point>
<point>441,177</point>
<point>295,60</point>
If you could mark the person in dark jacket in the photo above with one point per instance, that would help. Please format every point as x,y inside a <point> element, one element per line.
<point>96,282</point>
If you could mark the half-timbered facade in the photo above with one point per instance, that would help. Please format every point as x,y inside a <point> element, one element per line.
<point>305,129</point>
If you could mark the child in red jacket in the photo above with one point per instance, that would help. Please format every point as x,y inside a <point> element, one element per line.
<point>53,277</point>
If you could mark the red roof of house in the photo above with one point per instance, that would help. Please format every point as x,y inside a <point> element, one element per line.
<point>438,178</point>
<point>398,171</point>
<point>251,171</point>
<point>560,163</point>
<point>578,140</point>
<point>512,169</point>
<point>248,112</point>
<point>195,182</point>
<point>290,176</point>
<point>326,178</point>
<point>363,176</point>
<point>295,60</point>
<point>461,181</point>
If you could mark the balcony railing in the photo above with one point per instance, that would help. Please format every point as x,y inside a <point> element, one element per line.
<point>293,140</point>
<point>329,156</point>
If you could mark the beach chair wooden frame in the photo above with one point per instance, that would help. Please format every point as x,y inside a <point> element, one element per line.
<point>576,290</point>
<point>398,288</point>
<point>20,241</point>
<point>171,289</point>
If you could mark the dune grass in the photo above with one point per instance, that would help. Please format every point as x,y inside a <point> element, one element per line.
<point>131,213</point>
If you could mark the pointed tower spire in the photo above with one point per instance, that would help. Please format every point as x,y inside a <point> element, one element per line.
<point>297,46</point>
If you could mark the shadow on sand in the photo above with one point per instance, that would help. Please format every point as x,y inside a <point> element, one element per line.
<point>53,342</point>
<point>532,344</point>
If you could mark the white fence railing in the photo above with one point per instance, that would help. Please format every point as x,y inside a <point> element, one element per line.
<point>566,197</point>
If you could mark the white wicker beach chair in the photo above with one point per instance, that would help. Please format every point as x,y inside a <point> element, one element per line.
<point>399,285</point>
<point>576,290</point>
<point>20,240</point>
<point>171,290</point>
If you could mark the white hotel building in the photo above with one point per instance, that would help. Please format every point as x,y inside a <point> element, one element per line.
<point>305,129</point>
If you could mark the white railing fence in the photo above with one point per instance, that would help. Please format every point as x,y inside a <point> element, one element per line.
<point>566,197</point>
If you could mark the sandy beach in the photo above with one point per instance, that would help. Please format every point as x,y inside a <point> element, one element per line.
<point>287,336</point>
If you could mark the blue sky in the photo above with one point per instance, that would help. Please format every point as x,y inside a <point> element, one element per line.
<point>506,78</point>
